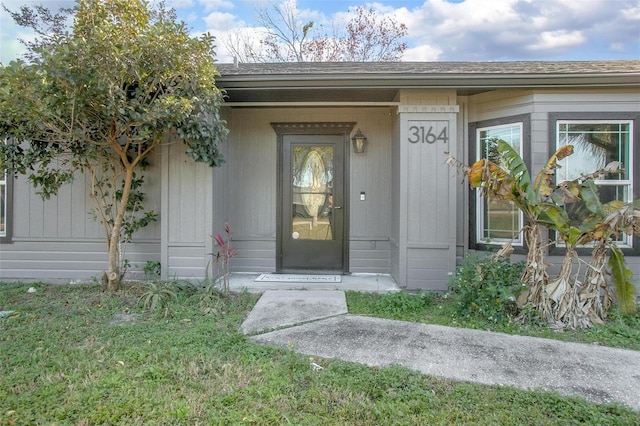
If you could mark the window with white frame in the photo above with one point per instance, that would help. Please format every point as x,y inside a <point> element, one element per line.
<point>497,221</point>
<point>595,144</point>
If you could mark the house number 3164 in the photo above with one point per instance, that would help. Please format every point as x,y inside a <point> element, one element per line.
<point>420,134</point>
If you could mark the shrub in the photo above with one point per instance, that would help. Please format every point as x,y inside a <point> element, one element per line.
<point>487,287</point>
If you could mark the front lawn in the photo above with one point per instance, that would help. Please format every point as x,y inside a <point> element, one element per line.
<point>619,331</point>
<point>75,355</point>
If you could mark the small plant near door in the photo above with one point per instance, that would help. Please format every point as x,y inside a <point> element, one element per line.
<point>222,258</point>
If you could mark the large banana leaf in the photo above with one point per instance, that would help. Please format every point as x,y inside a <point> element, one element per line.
<point>517,170</point>
<point>566,192</point>
<point>554,217</point>
<point>622,280</point>
<point>543,185</point>
<point>589,194</point>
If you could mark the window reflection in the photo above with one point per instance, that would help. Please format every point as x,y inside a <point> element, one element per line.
<point>498,220</point>
<point>596,144</point>
<point>312,192</point>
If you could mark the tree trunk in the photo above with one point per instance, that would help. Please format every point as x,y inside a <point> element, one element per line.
<point>596,293</point>
<point>564,301</point>
<point>535,275</point>
<point>114,274</point>
<point>569,299</point>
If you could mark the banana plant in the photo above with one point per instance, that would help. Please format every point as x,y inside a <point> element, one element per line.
<point>618,218</point>
<point>511,180</point>
<point>574,211</point>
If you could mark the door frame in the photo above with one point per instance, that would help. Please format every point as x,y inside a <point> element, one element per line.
<point>305,128</point>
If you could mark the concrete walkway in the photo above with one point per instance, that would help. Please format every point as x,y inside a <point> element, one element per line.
<point>316,323</point>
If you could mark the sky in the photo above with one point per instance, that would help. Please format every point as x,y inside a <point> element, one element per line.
<point>438,30</point>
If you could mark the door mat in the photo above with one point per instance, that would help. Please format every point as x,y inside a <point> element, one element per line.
<point>298,278</point>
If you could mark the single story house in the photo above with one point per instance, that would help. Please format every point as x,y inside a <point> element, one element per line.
<point>303,191</point>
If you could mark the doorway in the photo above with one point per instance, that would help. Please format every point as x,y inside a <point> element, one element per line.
<point>312,231</point>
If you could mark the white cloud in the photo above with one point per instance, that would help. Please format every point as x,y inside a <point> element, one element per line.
<point>632,13</point>
<point>238,38</point>
<point>422,53</point>
<point>220,21</point>
<point>560,39</point>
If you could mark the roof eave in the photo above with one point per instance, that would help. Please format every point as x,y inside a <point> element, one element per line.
<point>266,82</point>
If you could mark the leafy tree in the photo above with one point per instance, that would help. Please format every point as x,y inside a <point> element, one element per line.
<point>367,37</point>
<point>100,97</point>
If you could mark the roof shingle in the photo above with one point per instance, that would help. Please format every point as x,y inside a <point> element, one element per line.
<point>433,68</point>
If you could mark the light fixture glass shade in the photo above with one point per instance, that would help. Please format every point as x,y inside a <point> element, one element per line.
<point>359,142</point>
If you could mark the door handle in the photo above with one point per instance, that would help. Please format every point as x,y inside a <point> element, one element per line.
<point>337,207</point>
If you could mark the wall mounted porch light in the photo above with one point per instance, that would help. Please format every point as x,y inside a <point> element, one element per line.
<point>359,142</point>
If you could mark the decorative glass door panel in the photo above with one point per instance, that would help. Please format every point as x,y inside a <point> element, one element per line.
<point>312,192</point>
<point>312,196</point>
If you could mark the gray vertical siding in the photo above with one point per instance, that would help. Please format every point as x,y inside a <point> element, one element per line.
<point>461,153</point>
<point>427,195</point>
<point>247,197</point>
<point>58,240</point>
<point>186,215</point>
<point>397,269</point>
<point>370,172</point>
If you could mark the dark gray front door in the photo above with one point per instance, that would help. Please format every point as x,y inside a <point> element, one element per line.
<point>312,194</point>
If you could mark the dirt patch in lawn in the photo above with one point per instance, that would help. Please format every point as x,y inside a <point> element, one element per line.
<point>125,319</point>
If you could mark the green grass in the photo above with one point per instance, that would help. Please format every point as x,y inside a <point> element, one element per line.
<point>64,360</point>
<point>619,331</point>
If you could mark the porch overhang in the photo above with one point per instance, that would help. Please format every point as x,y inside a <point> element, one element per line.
<point>380,82</point>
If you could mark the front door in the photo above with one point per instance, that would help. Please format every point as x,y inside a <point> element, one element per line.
<point>312,216</point>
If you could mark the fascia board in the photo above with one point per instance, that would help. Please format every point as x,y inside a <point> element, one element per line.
<point>394,81</point>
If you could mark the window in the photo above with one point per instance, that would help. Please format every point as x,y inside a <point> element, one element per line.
<point>495,222</point>
<point>499,221</point>
<point>596,143</point>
